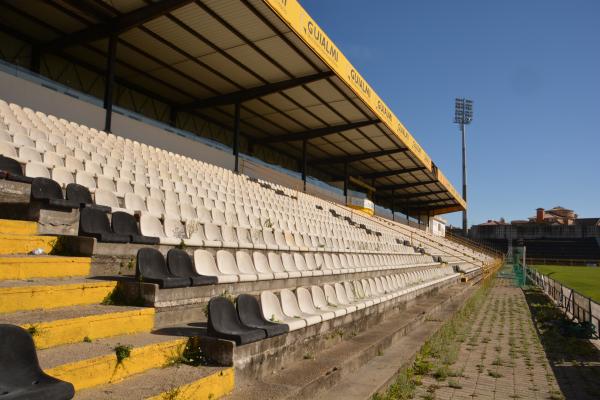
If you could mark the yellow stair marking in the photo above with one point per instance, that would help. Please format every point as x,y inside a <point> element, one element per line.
<point>23,244</point>
<point>22,298</point>
<point>29,267</point>
<point>105,369</point>
<point>74,330</point>
<point>9,226</point>
<point>212,386</point>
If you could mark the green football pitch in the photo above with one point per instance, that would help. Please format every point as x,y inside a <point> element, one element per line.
<point>585,280</point>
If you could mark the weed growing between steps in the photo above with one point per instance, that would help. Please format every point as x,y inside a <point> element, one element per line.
<point>437,356</point>
<point>122,352</point>
<point>59,247</point>
<point>117,297</point>
<point>190,354</point>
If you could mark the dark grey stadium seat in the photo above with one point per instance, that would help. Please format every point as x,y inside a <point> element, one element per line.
<point>12,170</point>
<point>224,323</point>
<point>20,374</point>
<point>94,223</point>
<point>151,267</point>
<point>81,195</point>
<point>49,191</point>
<point>180,264</point>
<point>251,315</point>
<point>125,224</point>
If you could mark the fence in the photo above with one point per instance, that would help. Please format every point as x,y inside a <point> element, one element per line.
<point>575,304</point>
<point>563,261</point>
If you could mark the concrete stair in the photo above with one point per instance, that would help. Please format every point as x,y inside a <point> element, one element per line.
<point>78,338</point>
<point>23,267</point>
<point>21,237</point>
<point>315,376</point>
<point>181,382</point>
<point>32,294</point>
<point>74,324</point>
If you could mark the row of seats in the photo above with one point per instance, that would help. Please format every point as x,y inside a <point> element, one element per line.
<point>228,266</point>
<point>309,306</point>
<point>85,134</point>
<point>167,185</point>
<point>248,321</point>
<point>242,323</point>
<point>192,233</point>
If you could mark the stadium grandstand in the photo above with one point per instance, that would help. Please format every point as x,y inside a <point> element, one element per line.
<point>197,195</point>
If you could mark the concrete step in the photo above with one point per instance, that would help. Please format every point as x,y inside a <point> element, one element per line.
<point>15,267</point>
<point>181,382</point>
<point>23,244</point>
<point>310,377</point>
<point>16,227</point>
<point>75,324</point>
<point>45,293</point>
<point>89,364</point>
<point>379,373</point>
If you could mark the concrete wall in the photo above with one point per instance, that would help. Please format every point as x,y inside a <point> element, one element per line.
<point>533,231</point>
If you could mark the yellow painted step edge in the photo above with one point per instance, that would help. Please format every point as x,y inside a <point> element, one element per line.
<point>16,244</point>
<point>74,330</point>
<point>105,369</point>
<point>16,227</point>
<point>25,298</point>
<point>21,268</point>
<point>210,387</point>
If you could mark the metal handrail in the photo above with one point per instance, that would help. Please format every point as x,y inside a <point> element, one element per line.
<point>576,305</point>
<point>562,261</point>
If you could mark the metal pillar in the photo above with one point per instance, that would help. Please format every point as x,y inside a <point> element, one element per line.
<point>464,179</point>
<point>36,57</point>
<point>173,117</point>
<point>393,205</point>
<point>236,137</point>
<point>304,144</point>
<point>346,182</point>
<point>110,81</point>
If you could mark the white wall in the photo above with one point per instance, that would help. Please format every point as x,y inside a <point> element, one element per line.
<point>437,227</point>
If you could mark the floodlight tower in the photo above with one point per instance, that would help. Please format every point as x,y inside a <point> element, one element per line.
<point>463,115</point>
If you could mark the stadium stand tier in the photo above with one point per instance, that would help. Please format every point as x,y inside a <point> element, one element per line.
<point>199,235</point>
<point>150,258</point>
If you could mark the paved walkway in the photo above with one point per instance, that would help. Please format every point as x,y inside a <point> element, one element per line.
<point>501,357</point>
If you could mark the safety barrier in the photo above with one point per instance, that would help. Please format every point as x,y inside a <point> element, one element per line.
<point>575,304</point>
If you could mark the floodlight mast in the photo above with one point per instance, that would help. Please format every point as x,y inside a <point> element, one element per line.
<point>463,115</point>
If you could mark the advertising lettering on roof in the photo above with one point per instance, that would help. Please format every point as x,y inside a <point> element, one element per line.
<point>292,13</point>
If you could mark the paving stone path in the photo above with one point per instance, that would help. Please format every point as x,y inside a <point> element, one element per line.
<point>501,356</point>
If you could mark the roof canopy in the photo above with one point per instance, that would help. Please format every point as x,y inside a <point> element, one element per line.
<point>292,82</point>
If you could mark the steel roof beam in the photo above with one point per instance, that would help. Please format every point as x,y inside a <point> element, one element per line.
<point>253,93</point>
<point>316,133</point>
<point>356,157</point>
<point>116,25</point>
<point>383,174</point>
<point>404,185</point>
<point>415,195</point>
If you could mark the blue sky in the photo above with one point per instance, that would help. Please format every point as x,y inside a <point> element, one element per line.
<point>532,69</point>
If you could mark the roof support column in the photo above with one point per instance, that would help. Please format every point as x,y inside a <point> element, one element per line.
<point>36,56</point>
<point>110,81</point>
<point>304,144</point>
<point>236,136</point>
<point>173,117</point>
<point>393,206</point>
<point>346,182</point>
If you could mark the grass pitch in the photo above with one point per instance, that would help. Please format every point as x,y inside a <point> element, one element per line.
<point>585,280</point>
